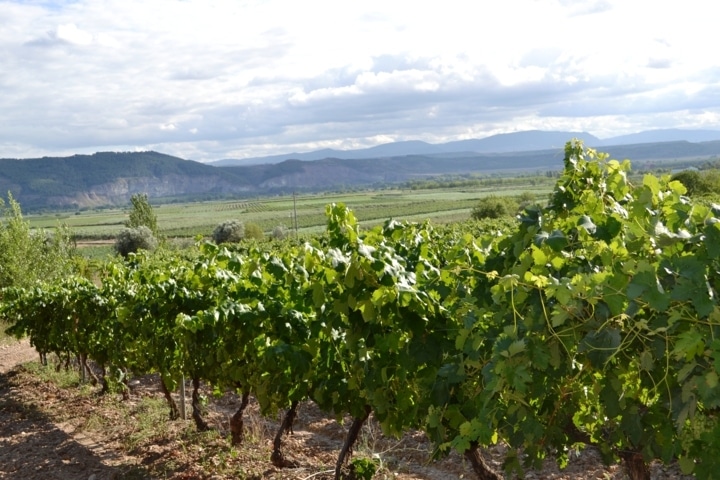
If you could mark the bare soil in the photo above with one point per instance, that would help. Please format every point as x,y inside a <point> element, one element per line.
<point>14,353</point>
<point>48,432</point>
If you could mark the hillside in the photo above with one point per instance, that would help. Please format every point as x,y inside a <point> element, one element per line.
<point>110,178</point>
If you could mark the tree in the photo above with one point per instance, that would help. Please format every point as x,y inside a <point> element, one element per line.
<point>691,180</point>
<point>494,207</point>
<point>130,240</point>
<point>230,231</point>
<point>142,214</point>
<point>27,256</point>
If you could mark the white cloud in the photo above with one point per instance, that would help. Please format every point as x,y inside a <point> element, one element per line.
<point>72,34</point>
<point>208,80</point>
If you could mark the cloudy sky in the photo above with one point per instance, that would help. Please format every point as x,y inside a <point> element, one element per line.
<point>213,79</point>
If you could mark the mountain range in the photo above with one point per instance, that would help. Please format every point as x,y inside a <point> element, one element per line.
<point>110,178</point>
<point>525,141</point>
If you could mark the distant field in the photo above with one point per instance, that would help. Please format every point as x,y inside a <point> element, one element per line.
<point>370,207</point>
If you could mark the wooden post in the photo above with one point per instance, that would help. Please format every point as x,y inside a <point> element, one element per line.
<point>182,398</point>
<point>295,215</point>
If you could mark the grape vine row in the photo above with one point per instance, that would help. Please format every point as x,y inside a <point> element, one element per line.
<point>594,320</point>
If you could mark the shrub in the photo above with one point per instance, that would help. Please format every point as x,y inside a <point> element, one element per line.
<point>698,183</point>
<point>130,240</point>
<point>711,182</point>
<point>253,230</point>
<point>524,200</point>
<point>494,207</point>
<point>280,232</point>
<point>230,231</point>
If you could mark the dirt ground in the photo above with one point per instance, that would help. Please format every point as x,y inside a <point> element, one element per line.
<point>15,353</point>
<point>45,434</point>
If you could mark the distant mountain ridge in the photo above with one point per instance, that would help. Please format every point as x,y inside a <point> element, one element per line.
<point>661,135</point>
<point>110,178</point>
<point>525,141</point>
<point>506,142</point>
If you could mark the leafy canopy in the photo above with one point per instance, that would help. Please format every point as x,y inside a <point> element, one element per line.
<point>142,214</point>
<point>26,255</point>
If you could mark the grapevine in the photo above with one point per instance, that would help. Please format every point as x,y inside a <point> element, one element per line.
<point>591,320</point>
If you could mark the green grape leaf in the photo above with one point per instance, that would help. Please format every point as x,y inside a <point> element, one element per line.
<point>539,257</point>
<point>540,238</point>
<point>557,262</point>
<point>516,347</point>
<point>609,229</point>
<point>687,465</point>
<point>613,293</point>
<point>631,424</point>
<point>587,223</point>
<point>689,344</point>
<point>368,311</point>
<point>557,240</point>
<point>647,362</point>
<point>646,284</point>
<point>711,378</point>
<point>712,239</point>
<point>318,294</point>
<point>715,346</point>
<point>561,291</point>
<point>610,400</point>
<point>600,345</point>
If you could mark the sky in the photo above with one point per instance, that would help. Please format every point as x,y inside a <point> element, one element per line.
<point>214,79</point>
